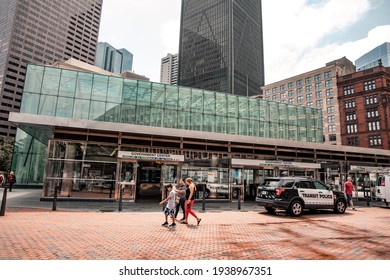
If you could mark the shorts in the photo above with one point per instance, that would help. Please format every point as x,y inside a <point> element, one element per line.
<point>349,196</point>
<point>169,212</point>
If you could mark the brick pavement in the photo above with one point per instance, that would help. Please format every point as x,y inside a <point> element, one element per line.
<point>42,234</point>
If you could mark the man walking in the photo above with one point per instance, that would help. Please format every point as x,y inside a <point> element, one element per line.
<point>348,189</point>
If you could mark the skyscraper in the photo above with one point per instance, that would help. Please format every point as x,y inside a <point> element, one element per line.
<point>168,73</point>
<point>42,32</point>
<point>378,55</point>
<point>221,46</point>
<point>113,60</point>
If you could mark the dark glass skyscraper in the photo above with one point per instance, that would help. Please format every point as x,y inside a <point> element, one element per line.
<point>221,46</point>
<point>42,32</point>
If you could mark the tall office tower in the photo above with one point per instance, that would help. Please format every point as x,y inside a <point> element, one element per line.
<point>315,89</point>
<point>221,46</point>
<point>112,59</point>
<point>380,54</point>
<point>39,31</point>
<point>169,67</point>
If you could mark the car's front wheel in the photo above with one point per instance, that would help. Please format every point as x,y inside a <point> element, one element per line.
<point>296,208</point>
<point>270,210</point>
<point>340,206</point>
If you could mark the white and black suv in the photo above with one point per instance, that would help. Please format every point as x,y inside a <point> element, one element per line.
<point>295,194</point>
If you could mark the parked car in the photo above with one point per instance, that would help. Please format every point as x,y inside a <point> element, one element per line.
<point>294,194</point>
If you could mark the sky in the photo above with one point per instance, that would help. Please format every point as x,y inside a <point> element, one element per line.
<point>299,35</point>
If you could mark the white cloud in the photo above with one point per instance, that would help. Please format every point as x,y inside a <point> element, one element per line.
<point>292,33</point>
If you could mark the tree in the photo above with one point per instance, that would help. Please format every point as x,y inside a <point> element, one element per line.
<point>6,150</point>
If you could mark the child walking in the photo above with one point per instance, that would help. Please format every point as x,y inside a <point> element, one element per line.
<point>171,205</point>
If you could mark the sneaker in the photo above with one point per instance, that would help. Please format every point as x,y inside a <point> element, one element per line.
<point>354,209</point>
<point>172,225</point>
<point>165,224</point>
<point>183,219</point>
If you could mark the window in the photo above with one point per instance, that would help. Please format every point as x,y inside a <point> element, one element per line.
<point>309,104</point>
<point>330,110</point>
<point>274,97</point>
<point>308,80</point>
<point>283,95</point>
<point>332,128</point>
<point>328,83</point>
<point>309,96</point>
<point>349,104</point>
<point>372,99</point>
<point>319,94</point>
<point>290,93</point>
<point>300,99</point>
<point>353,141</point>
<point>327,74</point>
<point>348,90</point>
<point>375,140</point>
<point>267,92</point>
<point>282,87</point>
<point>372,113</point>
<point>308,88</point>
<point>373,126</point>
<point>331,119</point>
<point>330,101</point>
<point>317,77</point>
<point>299,83</point>
<point>369,85</point>
<point>318,86</point>
<point>274,89</point>
<point>329,92</point>
<point>350,116</point>
<point>299,90</point>
<point>290,85</point>
<point>319,103</point>
<point>351,128</point>
<point>332,137</point>
<point>291,101</point>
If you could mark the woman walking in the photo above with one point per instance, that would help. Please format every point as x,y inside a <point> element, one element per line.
<point>190,199</point>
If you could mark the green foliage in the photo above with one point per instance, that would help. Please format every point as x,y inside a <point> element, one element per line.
<point>6,150</point>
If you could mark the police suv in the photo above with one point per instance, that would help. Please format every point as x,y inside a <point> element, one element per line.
<point>297,193</point>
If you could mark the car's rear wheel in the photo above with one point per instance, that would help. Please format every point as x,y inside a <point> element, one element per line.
<point>270,210</point>
<point>296,208</point>
<point>340,206</point>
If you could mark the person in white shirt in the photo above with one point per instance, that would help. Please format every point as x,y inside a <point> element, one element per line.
<point>171,205</point>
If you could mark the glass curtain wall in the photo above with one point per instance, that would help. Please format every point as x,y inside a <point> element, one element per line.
<point>71,94</point>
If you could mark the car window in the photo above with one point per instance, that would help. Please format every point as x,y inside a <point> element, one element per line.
<point>304,185</point>
<point>319,186</point>
<point>288,184</point>
<point>271,183</point>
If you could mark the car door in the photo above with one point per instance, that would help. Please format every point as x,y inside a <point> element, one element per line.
<point>325,195</point>
<point>307,192</point>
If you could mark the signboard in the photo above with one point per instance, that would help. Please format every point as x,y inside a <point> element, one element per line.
<point>370,169</point>
<point>150,156</point>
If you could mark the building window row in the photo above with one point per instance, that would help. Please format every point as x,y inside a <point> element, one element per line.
<point>375,140</point>
<point>352,128</point>
<point>348,90</point>
<point>373,126</point>
<point>372,113</point>
<point>372,99</point>
<point>350,116</point>
<point>369,85</point>
<point>353,141</point>
<point>350,104</point>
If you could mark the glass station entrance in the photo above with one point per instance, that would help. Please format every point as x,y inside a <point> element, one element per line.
<point>143,176</point>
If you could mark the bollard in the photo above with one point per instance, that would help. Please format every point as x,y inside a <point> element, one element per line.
<point>120,198</point>
<point>204,198</point>
<point>368,196</point>
<point>3,202</point>
<point>239,198</point>
<point>54,208</point>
